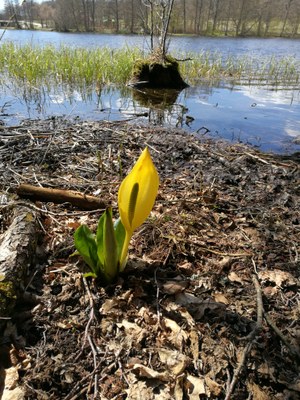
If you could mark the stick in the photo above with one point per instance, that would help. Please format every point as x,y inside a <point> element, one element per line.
<point>293,349</point>
<point>251,338</point>
<point>79,200</point>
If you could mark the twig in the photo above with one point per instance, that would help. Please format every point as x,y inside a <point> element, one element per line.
<point>78,384</point>
<point>293,349</point>
<point>261,313</point>
<point>251,337</point>
<point>260,306</point>
<point>256,157</point>
<point>95,365</point>
<point>87,337</point>
<point>91,317</point>
<point>238,370</point>
<point>157,297</point>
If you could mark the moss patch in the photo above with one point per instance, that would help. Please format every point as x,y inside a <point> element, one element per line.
<point>8,298</point>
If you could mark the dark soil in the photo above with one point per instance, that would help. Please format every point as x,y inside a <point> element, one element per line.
<point>208,306</point>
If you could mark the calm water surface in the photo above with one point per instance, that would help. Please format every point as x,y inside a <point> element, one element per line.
<point>268,119</point>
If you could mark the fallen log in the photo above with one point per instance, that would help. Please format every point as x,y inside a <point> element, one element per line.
<point>82,201</point>
<point>17,254</point>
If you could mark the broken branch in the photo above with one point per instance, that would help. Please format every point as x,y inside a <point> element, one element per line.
<point>77,199</point>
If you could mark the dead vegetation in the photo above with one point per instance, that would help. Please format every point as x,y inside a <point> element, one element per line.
<point>208,307</point>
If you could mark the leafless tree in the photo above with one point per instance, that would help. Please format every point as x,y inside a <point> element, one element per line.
<point>230,17</point>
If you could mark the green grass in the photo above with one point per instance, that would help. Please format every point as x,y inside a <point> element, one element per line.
<point>212,67</point>
<point>76,66</point>
<point>83,68</point>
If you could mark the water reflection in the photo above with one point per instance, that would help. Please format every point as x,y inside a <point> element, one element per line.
<point>262,118</point>
<point>160,104</point>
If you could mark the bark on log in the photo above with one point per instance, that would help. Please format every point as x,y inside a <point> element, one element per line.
<point>17,252</point>
<point>79,200</point>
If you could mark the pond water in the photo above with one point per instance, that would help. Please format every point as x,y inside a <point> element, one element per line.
<point>260,116</point>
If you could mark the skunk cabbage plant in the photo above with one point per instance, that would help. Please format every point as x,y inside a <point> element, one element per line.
<point>136,198</point>
<point>106,252</point>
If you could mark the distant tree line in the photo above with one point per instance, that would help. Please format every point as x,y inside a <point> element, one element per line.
<point>200,17</point>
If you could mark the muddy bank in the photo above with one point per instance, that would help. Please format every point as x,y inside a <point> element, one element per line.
<point>208,306</point>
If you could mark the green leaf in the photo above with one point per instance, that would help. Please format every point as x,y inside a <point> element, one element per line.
<point>120,236</point>
<point>86,245</point>
<point>100,239</point>
<point>90,275</point>
<point>110,247</point>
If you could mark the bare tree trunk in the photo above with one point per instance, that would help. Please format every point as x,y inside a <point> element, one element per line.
<point>93,12</point>
<point>132,16</point>
<point>216,15</point>
<point>198,16</point>
<point>117,16</point>
<point>85,15</point>
<point>241,21</point>
<point>184,16</point>
<point>287,8</point>
<point>165,28</point>
<point>151,26</point>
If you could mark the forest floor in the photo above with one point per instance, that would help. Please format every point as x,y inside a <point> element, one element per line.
<point>208,305</point>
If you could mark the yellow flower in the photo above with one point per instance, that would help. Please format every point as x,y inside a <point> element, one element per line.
<point>136,197</point>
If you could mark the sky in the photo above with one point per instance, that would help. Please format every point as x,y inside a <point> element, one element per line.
<point>20,1</point>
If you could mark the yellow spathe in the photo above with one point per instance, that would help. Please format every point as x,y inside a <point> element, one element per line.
<point>136,197</point>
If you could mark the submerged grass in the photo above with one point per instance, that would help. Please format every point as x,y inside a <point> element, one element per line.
<point>212,66</point>
<point>50,66</point>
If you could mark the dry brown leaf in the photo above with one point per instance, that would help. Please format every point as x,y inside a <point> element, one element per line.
<point>146,389</point>
<point>257,393</point>
<point>148,316</point>
<point>207,305</point>
<point>195,387</point>
<point>185,267</point>
<point>226,261</point>
<point>147,372</point>
<point>171,306</point>
<point>194,347</point>
<point>136,332</point>
<point>108,306</point>
<point>173,287</point>
<point>270,291</point>
<point>234,277</point>
<point>213,386</point>
<point>220,298</point>
<point>179,336</point>
<point>178,391</point>
<point>11,378</point>
<point>11,390</point>
<point>174,360</point>
<point>186,299</point>
<point>139,390</point>
<point>112,306</point>
<point>15,394</point>
<point>280,278</point>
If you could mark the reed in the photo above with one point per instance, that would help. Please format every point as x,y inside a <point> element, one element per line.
<point>82,68</point>
<point>209,66</point>
<point>76,66</point>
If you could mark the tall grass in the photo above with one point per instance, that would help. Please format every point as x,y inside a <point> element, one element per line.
<point>269,70</point>
<point>77,66</point>
<point>49,66</point>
